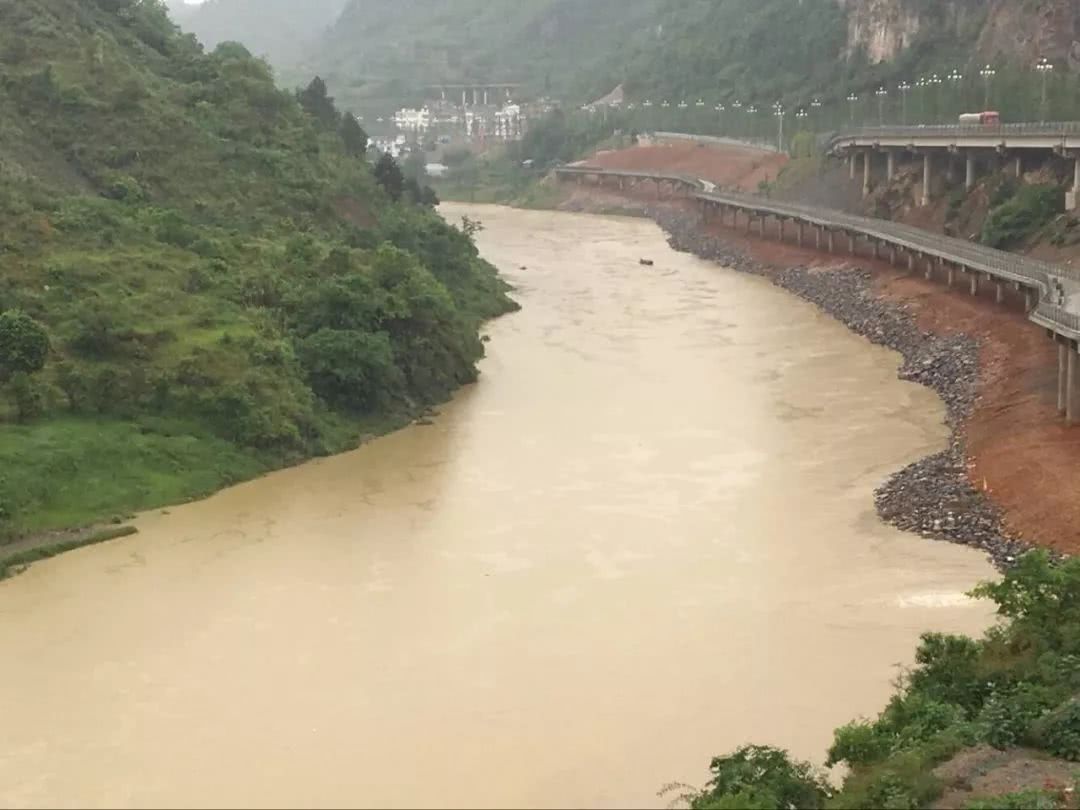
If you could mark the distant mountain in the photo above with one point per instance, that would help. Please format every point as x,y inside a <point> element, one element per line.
<point>380,52</point>
<point>278,30</point>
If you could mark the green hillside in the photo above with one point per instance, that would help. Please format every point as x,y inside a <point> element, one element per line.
<point>201,278</point>
<point>384,52</point>
<point>279,30</point>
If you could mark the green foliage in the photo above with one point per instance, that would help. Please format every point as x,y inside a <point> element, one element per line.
<point>24,344</point>
<point>389,176</point>
<point>1017,686</point>
<point>1021,216</point>
<point>757,776</point>
<point>1059,731</point>
<point>353,136</point>
<point>217,259</point>
<point>1022,800</point>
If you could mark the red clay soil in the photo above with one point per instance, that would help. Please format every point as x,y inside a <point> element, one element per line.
<point>731,167</point>
<point>1020,451</point>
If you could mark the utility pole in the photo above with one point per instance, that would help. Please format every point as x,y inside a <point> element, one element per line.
<point>779,108</point>
<point>988,73</point>
<point>881,94</point>
<point>904,88</point>
<point>1045,67</point>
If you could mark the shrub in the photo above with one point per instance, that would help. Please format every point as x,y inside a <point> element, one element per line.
<point>1059,731</point>
<point>24,344</point>
<point>1020,217</point>
<point>1023,800</point>
<point>859,744</point>
<point>29,396</point>
<point>1007,717</point>
<point>761,777</point>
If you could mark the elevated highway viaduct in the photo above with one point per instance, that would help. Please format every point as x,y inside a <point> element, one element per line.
<point>1050,293</point>
<point>876,151</point>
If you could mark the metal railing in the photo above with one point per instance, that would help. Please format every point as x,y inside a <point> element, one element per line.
<point>1001,265</point>
<point>1052,129</point>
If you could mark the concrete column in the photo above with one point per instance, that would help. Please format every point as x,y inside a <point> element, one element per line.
<point>969,170</point>
<point>799,233</point>
<point>1029,299</point>
<point>761,227</point>
<point>464,98</point>
<point>999,293</point>
<point>950,276</point>
<point>927,167</point>
<point>866,167</point>
<point>749,221</point>
<point>911,262</point>
<point>832,242</point>
<point>851,163</point>
<point>779,229</point>
<point>817,236</point>
<point>890,165</point>
<point>892,255</point>
<point>1063,375</point>
<point>1072,197</point>
<point>1070,387</point>
<point>950,168</point>
<point>929,269</point>
<point>877,249</point>
<point>974,282</point>
<point>1019,167</point>
<point>485,97</point>
<point>851,243</point>
<point>475,96</point>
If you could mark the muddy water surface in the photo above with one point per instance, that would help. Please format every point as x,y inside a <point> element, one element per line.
<point>646,536</point>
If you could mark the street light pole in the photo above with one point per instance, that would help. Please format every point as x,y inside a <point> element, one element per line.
<point>815,105</point>
<point>904,88</point>
<point>779,109</point>
<point>881,94</point>
<point>1045,67</point>
<point>954,79</point>
<point>852,99</point>
<point>988,73</point>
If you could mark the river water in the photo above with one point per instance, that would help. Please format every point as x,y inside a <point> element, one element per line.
<point>645,537</point>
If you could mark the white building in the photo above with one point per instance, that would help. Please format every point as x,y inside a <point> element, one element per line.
<point>409,119</point>
<point>509,124</point>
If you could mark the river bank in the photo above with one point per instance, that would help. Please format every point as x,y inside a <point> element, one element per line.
<point>1000,486</point>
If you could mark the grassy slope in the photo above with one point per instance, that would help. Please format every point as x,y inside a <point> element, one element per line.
<point>180,227</point>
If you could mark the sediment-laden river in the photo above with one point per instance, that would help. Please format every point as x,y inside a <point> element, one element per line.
<point>645,537</point>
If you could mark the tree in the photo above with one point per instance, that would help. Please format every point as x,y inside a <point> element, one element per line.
<point>760,777</point>
<point>389,176</point>
<point>318,104</point>
<point>24,344</point>
<point>354,136</point>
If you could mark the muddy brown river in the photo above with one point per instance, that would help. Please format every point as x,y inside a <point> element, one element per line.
<point>647,535</point>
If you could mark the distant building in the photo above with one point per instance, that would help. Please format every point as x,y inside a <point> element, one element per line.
<point>412,120</point>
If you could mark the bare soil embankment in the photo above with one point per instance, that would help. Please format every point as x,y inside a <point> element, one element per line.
<point>1015,450</point>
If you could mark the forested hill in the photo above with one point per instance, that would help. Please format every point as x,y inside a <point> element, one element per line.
<point>382,52</point>
<point>279,30</point>
<point>200,276</point>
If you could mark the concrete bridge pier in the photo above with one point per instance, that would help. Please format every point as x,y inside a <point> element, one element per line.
<point>832,241</point>
<point>969,173</point>
<point>1072,197</point>
<point>927,169</point>
<point>851,163</point>
<point>1063,376</point>
<point>851,243</point>
<point>974,282</point>
<point>929,269</point>
<point>799,232</point>
<point>1018,169</point>
<point>866,168</point>
<point>911,262</point>
<point>999,294</point>
<point>817,236</point>
<point>890,165</point>
<point>950,276</point>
